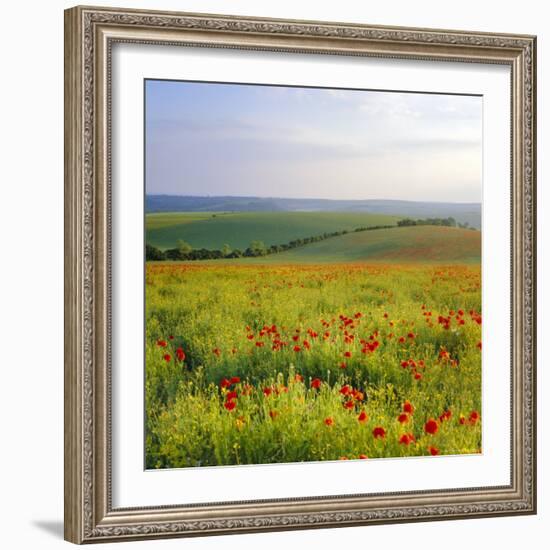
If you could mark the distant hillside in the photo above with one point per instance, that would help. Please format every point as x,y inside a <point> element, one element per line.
<point>418,244</point>
<point>462,212</point>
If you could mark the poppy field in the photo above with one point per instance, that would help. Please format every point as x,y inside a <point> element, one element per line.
<point>255,363</point>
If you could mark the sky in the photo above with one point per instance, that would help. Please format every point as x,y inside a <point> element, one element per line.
<point>273,141</point>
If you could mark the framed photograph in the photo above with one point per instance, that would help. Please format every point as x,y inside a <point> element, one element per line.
<point>300,274</point>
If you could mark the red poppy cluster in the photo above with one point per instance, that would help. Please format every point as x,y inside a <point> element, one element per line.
<point>231,396</point>
<point>408,410</point>
<point>351,396</point>
<point>228,382</point>
<point>346,324</point>
<point>180,354</point>
<point>414,367</point>
<point>472,418</point>
<point>407,439</point>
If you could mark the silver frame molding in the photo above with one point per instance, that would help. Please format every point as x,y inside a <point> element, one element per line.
<point>89,35</point>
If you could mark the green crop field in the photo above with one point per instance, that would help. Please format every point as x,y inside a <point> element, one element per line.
<point>213,230</point>
<point>164,220</point>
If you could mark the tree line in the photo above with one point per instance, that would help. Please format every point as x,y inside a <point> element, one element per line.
<point>185,252</point>
<point>447,222</point>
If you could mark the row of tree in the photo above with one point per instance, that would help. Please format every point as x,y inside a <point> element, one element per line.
<point>185,252</point>
<point>447,222</point>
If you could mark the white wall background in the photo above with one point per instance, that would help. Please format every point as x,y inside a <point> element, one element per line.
<point>31,273</point>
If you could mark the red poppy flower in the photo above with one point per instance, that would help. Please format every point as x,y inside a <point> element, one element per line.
<point>225,383</point>
<point>297,349</point>
<point>345,390</point>
<point>446,415</point>
<point>433,451</point>
<point>235,380</point>
<point>316,383</point>
<point>404,364</point>
<point>343,365</point>
<point>358,395</point>
<point>273,414</point>
<point>363,417</point>
<point>363,457</point>
<point>349,404</point>
<point>329,421</point>
<point>167,357</point>
<point>479,344</point>
<point>407,407</point>
<point>379,432</point>
<point>260,344</point>
<point>180,354</point>
<point>267,391</point>
<point>403,417</point>
<point>231,395</point>
<point>417,376</point>
<point>230,405</point>
<point>401,339</point>
<point>171,337</point>
<point>431,427</point>
<point>406,439</point>
<point>217,351</point>
<point>462,420</point>
<point>411,335</point>
<point>474,417</point>
<point>347,354</point>
<point>298,378</point>
<point>161,343</point>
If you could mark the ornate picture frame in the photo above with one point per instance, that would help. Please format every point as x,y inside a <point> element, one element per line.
<point>90,34</point>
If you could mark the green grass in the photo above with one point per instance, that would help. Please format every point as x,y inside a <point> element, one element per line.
<point>213,230</point>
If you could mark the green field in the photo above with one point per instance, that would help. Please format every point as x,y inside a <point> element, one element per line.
<point>419,244</point>
<point>213,230</point>
<point>164,220</point>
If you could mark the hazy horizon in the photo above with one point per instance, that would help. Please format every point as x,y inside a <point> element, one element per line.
<point>277,197</point>
<point>236,140</point>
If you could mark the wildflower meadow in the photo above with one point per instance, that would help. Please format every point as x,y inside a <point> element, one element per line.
<point>263,363</point>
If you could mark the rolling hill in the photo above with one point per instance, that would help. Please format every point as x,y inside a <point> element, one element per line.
<point>239,229</point>
<point>418,244</point>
